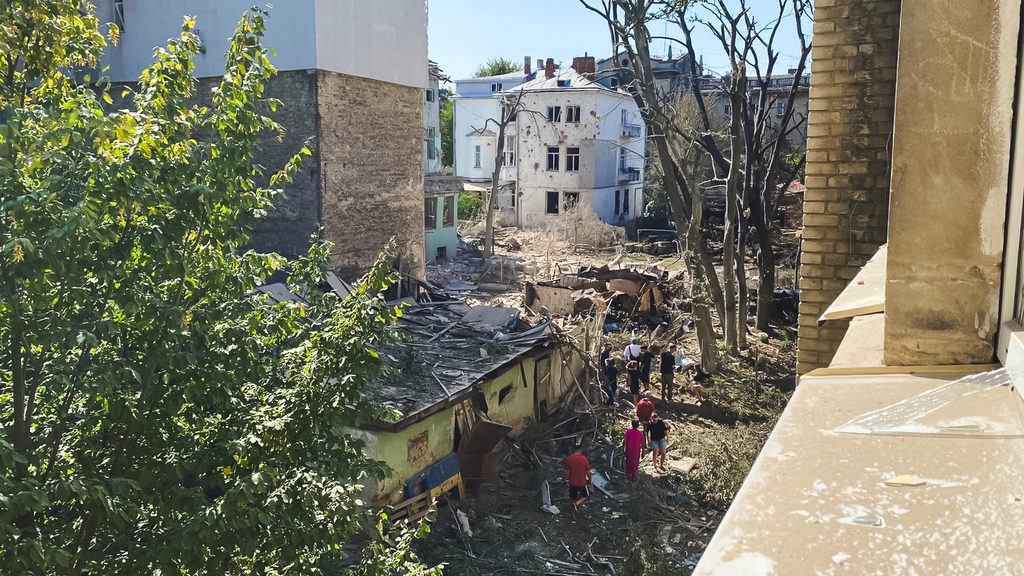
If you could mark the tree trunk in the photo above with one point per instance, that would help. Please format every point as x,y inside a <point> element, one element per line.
<point>730,323</point>
<point>766,270</point>
<point>492,196</point>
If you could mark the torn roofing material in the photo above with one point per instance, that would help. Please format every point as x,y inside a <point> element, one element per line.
<point>450,347</point>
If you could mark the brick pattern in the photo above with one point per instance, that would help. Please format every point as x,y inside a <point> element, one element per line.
<point>850,120</point>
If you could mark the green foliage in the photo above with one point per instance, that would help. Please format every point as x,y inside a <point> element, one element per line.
<point>390,552</point>
<point>724,455</point>
<point>645,559</point>
<point>447,129</point>
<point>471,206</point>
<point>158,417</point>
<point>495,67</point>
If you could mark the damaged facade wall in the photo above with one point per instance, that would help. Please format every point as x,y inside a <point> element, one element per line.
<point>409,451</point>
<point>370,146</point>
<point>943,282</point>
<point>852,98</point>
<point>509,397</point>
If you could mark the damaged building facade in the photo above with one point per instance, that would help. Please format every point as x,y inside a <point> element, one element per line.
<point>901,449</point>
<point>469,377</point>
<point>351,79</point>
<point>574,142</point>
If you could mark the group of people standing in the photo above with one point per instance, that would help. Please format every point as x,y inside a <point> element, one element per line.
<point>639,360</point>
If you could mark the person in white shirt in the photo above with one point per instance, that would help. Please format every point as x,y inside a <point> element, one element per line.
<point>632,352</point>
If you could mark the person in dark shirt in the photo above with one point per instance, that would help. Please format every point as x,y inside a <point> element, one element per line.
<point>611,380</point>
<point>668,367</point>
<point>646,359</point>
<point>657,431</point>
<point>606,353</point>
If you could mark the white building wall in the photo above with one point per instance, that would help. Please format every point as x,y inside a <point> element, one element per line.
<point>471,115</point>
<point>383,40</point>
<point>432,120</point>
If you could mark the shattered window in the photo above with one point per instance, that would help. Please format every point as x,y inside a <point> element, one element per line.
<point>448,219</point>
<point>430,213</point>
<point>572,159</point>
<point>552,207</point>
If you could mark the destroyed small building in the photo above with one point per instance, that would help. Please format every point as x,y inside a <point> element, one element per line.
<point>630,293</point>
<point>468,376</point>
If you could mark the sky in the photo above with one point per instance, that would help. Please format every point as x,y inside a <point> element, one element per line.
<point>466,33</point>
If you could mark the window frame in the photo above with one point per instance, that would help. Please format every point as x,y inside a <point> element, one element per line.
<point>548,204</point>
<point>431,145</point>
<point>572,160</point>
<point>510,151</point>
<point>618,200</point>
<point>430,208</point>
<point>477,156</point>
<point>448,215</point>
<point>554,113</point>
<point>572,114</point>
<point>429,94</point>
<point>554,153</point>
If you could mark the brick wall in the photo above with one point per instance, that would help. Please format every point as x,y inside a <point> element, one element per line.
<point>371,154</point>
<point>852,97</point>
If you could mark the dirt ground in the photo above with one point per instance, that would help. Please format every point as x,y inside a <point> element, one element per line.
<point>659,524</point>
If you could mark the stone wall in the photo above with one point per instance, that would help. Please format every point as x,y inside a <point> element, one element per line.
<point>852,98</point>
<point>371,155</point>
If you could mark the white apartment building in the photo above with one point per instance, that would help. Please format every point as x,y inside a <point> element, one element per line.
<point>574,142</point>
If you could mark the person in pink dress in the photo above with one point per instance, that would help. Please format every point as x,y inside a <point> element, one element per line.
<point>632,446</point>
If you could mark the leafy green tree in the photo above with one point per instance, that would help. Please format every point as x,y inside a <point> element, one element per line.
<point>390,553</point>
<point>158,417</point>
<point>447,128</point>
<point>496,66</point>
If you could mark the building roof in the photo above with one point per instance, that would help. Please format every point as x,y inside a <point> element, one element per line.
<point>514,75</point>
<point>435,72</point>
<point>563,79</point>
<point>450,348</point>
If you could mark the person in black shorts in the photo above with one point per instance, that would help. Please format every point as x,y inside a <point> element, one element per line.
<point>633,371</point>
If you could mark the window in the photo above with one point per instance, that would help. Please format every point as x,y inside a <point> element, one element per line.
<point>613,82</point>
<point>623,161</point>
<point>618,198</point>
<point>504,393</point>
<point>510,151</point>
<point>625,201</point>
<point>728,110</point>
<point>430,213</point>
<point>552,203</point>
<point>572,159</point>
<point>563,83</point>
<point>476,157</point>
<point>496,87</point>
<point>442,253</point>
<point>509,112</point>
<point>554,113</point>
<point>553,159</point>
<point>430,95</point>
<point>625,116</point>
<point>571,200</point>
<point>572,114</point>
<point>780,109</point>
<point>448,216</point>
<point>431,145</point>
<point>119,14</point>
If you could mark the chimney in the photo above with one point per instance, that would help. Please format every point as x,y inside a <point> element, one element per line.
<point>585,66</point>
<point>540,65</point>
<point>549,68</point>
<point>526,66</point>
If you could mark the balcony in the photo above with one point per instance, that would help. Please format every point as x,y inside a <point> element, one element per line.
<point>630,130</point>
<point>629,175</point>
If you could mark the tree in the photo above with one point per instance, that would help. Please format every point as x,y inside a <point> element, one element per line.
<point>447,128</point>
<point>159,417</point>
<point>496,67</point>
<point>749,160</point>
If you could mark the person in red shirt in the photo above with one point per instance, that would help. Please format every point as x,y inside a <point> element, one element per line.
<point>644,408</point>
<point>576,473</point>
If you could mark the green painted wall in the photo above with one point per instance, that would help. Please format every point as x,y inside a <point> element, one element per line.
<point>517,406</point>
<point>441,235</point>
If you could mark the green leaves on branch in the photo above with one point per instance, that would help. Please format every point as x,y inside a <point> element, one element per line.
<point>158,417</point>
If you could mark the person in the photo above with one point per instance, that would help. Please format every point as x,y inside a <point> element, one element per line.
<point>633,373</point>
<point>606,353</point>
<point>632,448</point>
<point>632,352</point>
<point>697,376</point>
<point>576,473</point>
<point>657,431</point>
<point>668,366</point>
<point>646,359</point>
<point>611,380</point>
<point>645,408</point>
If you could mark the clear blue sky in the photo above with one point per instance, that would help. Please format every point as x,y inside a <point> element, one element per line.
<point>466,33</point>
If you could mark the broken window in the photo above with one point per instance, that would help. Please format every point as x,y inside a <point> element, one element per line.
<point>572,114</point>
<point>448,219</point>
<point>119,14</point>
<point>572,159</point>
<point>510,151</point>
<point>554,113</point>
<point>430,213</point>
<point>442,253</point>
<point>504,394</point>
<point>553,158</point>
<point>571,200</point>
<point>613,82</point>
<point>431,146</point>
<point>623,161</point>
<point>563,83</point>
<point>476,157</point>
<point>618,198</point>
<point>552,207</point>
<point>625,201</point>
<point>496,87</point>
